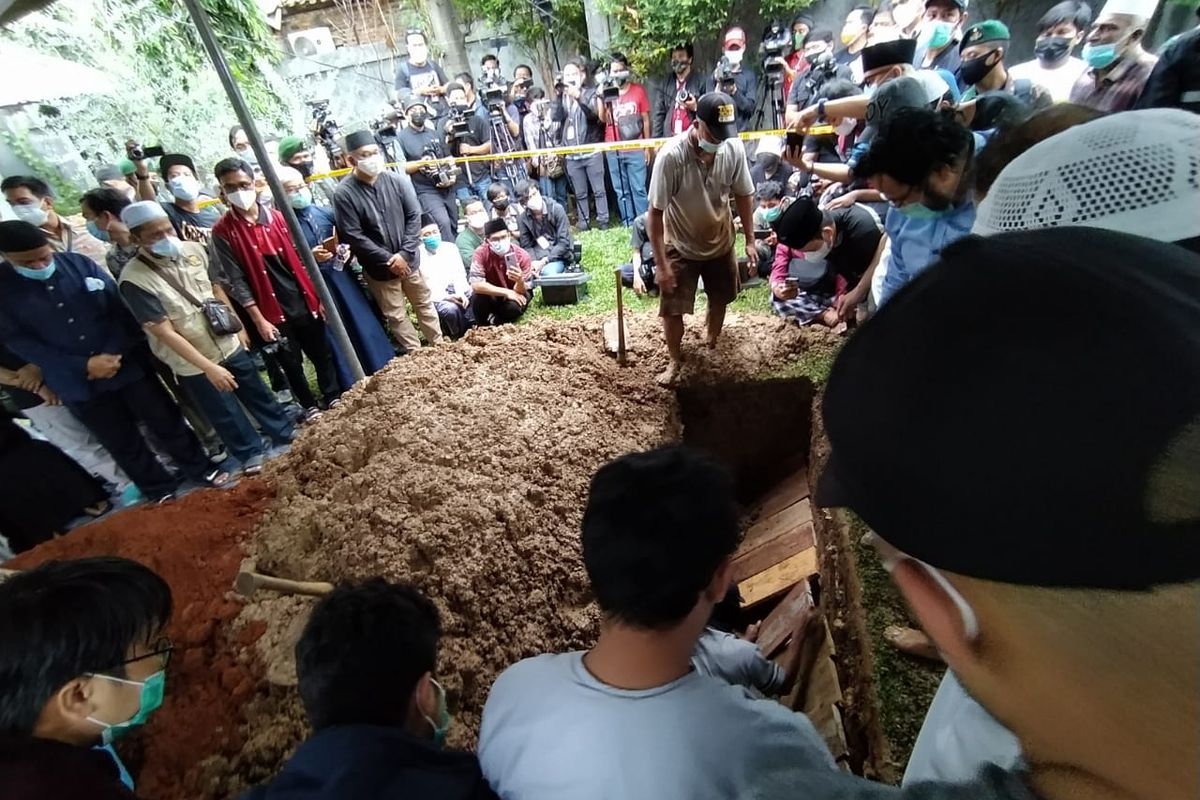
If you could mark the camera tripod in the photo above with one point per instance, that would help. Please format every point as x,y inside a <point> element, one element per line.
<point>772,102</point>
<point>623,189</point>
<point>502,140</point>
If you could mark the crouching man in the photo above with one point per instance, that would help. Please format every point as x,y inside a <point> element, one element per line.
<point>501,276</point>
<point>365,663</point>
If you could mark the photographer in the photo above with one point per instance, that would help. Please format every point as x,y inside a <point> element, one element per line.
<point>626,118</point>
<point>675,96</point>
<point>639,273</point>
<point>579,110</point>
<point>797,64</point>
<point>735,79</point>
<point>419,77</point>
<point>518,90</point>
<point>434,183</point>
<point>501,119</point>
<point>468,135</point>
<point>818,52</point>
<point>541,132</point>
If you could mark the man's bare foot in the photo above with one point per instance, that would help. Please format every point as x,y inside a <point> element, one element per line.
<point>710,342</point>
<point>670,375</point>
<point>911,642</point>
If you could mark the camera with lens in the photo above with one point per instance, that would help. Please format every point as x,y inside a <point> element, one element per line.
<point>821,69</point>
<point>559,85</point>
<point>459,125</point>
<point>610,87</point>
<point>326,129</point>
<point>723,75</point>
<point>442,174</point>
<point>775,43</point>
<point>136,152</point>
<point>682,96</point>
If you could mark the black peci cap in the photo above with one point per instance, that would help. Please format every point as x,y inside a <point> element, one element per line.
<point>717,111</point>
<point>1061,452</point>
<point>799,223</point>
<point>492,226</point>
<point>18,236</point>
<point>888,54</point>
<point>357,139</point>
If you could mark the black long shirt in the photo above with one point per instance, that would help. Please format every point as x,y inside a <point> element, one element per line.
<point>379,220</point>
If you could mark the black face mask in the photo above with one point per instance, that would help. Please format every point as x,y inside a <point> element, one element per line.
<point>305,168</point>
<point>500,204</point>
<point>1052,49</point>
<point>973,70</point>
<point>417,118</point>
<point>679,67</point>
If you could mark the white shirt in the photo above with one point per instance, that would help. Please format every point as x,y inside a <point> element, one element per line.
<point>444,273</point>
<point>552,731</point>
<point>1057,81</point>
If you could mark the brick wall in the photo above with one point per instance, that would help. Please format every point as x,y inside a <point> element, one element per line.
<point>365,28</point>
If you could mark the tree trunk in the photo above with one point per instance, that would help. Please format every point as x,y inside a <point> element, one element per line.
<point>447,30</point>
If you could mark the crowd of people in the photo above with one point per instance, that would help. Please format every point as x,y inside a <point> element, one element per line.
<point>924,192</point>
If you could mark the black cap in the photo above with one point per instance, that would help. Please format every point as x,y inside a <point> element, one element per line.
<point>898,93</point>
<point>887,54</point>
<point>717,111</point>
<point>427,219</point>
<point>1064,453</point>
<point>173,159</point>
<point>17,236</point>
<point>494,226</point>
<point>358,139</point>
<point>799,224</point>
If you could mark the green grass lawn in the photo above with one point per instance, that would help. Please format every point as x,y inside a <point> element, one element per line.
<point>603,252</point>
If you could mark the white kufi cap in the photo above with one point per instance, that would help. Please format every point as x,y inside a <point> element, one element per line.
<point>1133,172</point>
<point>1136,8</point>
<point>141,212</point>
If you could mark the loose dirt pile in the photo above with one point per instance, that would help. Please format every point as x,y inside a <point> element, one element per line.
<point>195,544</point>
<point>464,471</point>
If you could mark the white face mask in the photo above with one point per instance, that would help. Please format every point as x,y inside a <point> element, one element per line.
<point>846,126</point>
<point>371,165</point>
<point>890,557</point>
<point>734,56</point>
<point>477,220</point>
<point>501,247</point>
<point>185,187</point>
<point>33,213</point>
<point>819,254</point>
<point>243,199</point>
<point>167,247</point>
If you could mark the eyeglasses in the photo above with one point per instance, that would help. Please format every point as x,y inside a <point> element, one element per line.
<point>161,649</point>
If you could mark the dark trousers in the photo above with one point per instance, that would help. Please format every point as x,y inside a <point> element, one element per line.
<point>441,205</point>
<point>454,319</point>
<point>587,179</point>
<point>490,310</point>
<point>114,416</point>
<point>225,412</point>
<point>306,337</point>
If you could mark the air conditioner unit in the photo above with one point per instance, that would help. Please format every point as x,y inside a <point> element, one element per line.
<point>311,42</point>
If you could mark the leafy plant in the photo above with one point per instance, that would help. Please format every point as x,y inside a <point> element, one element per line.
<point>164,90</point>
<point>565,34</point>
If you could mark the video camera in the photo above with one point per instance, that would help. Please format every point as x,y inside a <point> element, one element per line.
<point>723,74</point>
<point>821,69</point>
<point>326,130</point>
<point>610,85</point>
<point>442,174</point>
<point>493,91</point>
<point>136,152</point>
<point>459,125</point>
<point>775,42</point>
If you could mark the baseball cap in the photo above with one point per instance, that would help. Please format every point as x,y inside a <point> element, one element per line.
<point>716,110</point>
<point>902,92</point>
<point>1062,454</point>
<point>990,30</point>
<point>735,36</point>
<point>962,4</point>
<point>1134,171</point>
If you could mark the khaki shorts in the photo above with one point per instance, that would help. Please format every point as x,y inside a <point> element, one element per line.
<point>720,282</point>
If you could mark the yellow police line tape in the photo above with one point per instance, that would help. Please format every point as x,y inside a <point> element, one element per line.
<point>598,147</point>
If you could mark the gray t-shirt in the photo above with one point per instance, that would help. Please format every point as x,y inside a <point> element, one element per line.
<point>694,198</point>
<point>552,730</point>
<point>736,661</point>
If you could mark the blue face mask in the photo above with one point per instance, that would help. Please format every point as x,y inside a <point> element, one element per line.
<point>707,146</point>
<point>166,248</point>
<point>431,243</point>
<point>443,713</point>
<point>1099,56</point>
<point>94,230</point>
<point>42,274</point>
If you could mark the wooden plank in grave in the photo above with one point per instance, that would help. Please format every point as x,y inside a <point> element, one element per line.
<point>781,623</point>
<point>789,542</point>
<point>788,491</point>
<point>778,578</point>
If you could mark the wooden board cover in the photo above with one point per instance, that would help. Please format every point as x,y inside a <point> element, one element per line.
<point>781,622</point>
<point>778,578</point>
